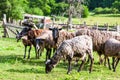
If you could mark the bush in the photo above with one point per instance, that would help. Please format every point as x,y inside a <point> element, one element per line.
<point>114,10</point>
<point>106,10</point>
<point>98,10</point>
<point>36,11</point>
<point>85,12</point>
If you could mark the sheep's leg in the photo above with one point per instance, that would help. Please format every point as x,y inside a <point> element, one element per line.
<point>91,65</point>
<point>81,65</point>
<point>36,52</point>
<point>49,54</point>
<point>83,62</point>
<point>116,64</point>
<point>29,52</point>
<point>109,63</point>
<point>105,61</point>
<point>113,62</point>
<point>76,61</point>
<point>54,50</point>
<point>88,58</point>
<point>40,53</point>
<point>100,59</point>
<point>92,60</point>
<point>69,64</point>
<point>25,52</point>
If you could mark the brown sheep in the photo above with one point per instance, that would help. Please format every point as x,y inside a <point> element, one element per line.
<point>99,38</point>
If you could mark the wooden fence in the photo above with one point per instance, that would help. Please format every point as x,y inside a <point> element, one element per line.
<point>10,29</point>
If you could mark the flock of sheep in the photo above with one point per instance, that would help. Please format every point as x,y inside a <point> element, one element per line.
<point>68,45</point>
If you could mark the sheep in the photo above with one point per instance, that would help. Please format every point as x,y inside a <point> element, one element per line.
<point>112,49</point>
<point>99,38</point>
<point>25,40</point>
<point>60,35</point>
<point>29,36</point>
<point>78,46</point>
<point>45,40</point>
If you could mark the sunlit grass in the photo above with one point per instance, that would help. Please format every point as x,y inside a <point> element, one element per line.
<point>14,67</point>
<point>101,19</point>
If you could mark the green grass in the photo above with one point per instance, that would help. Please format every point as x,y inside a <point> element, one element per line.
<point>101,19</point>
<point>14,67</point>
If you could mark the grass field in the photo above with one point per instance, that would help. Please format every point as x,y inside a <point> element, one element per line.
<point>101,19</point>
<point>14,67</point>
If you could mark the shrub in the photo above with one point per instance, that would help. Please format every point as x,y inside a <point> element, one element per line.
<point>98,10</point>
<point>106,10</point>
<point>85,12</point>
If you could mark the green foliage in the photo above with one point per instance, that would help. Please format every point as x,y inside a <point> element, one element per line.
<point>114,10</point>
<point>5,7</point>
<point>106,10</point>
<point>60,8</point>
<point>92,4</point>
<point>36,11</point>
<point>116,5</point>
<point>85,12</point>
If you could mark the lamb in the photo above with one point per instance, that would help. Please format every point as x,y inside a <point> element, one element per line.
<point>45,40</point>
<point>78,46</point>
<point>112,49</point>
<point>99,38</point>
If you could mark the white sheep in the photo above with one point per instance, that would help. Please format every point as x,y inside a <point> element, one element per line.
<point>78,46</point>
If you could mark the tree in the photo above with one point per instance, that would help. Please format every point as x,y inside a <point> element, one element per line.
<point>116,5</point>
<point>74,9</point>
<point>5,7</point>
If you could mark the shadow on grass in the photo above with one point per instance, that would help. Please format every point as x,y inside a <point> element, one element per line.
<point>32,70</point>
<point>12,59</point>
<point>76,67</point>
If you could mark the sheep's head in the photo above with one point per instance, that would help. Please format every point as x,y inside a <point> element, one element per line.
<point>49,66</point>
<point>55,32</point>
<point>22,33</point>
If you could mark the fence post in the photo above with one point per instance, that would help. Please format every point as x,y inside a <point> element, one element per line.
<point>107,27</point>
<point>84,24</point>
<point>118,28</point>
<point>44,22</point>
<point>4,25</point>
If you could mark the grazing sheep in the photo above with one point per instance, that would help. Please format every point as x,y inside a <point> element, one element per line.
<point>76,47</point>
<point>99,38</point>
<point>45,40</point>
<point>112,49</point>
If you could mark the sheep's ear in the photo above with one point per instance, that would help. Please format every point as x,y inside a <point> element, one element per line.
<point>47,61</point>
<point>60,28</point>
<point>17,31</point>
<point>50,28</point>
